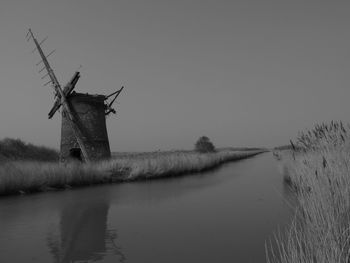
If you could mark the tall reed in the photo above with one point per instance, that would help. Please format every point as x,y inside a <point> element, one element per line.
<point>318,168</point>
<point>22,177</point>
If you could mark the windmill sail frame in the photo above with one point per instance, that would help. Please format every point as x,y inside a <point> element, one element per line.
<point>59,92</point>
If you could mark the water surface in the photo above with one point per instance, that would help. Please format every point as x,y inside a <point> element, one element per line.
<point>225,215</point>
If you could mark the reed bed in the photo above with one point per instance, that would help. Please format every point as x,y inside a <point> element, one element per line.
<point>318,168</point>
<point>25,177</point>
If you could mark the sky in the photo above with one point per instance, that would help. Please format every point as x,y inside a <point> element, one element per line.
<point>242,72</point>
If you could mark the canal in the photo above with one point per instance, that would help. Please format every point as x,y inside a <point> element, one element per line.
<point>225,215</point>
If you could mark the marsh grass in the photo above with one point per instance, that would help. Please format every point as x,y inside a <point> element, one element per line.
<point>318,170</point>
<point>25,177</point>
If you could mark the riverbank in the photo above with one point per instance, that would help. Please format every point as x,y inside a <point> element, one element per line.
<point>318,169</point>
<point>20,177</point>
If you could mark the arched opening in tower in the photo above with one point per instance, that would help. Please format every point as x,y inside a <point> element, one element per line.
<point>75,154</point>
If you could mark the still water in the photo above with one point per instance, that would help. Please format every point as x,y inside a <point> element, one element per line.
<point>225,215</point>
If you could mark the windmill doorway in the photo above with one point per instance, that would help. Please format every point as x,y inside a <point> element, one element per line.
<point>75,154</point>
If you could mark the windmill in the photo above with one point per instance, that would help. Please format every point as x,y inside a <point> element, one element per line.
<point>83,131</point>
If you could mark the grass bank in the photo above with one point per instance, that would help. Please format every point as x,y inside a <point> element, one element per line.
<point>318,168</point>
<point>16,149</point>
<point>25,177</point>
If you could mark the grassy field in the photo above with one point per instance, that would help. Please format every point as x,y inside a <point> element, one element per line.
<point>318,169</point>
<point>28,176</point>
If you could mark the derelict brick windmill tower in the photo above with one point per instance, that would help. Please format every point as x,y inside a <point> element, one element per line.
<point>83,134</point>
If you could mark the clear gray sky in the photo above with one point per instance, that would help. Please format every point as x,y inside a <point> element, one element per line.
<point>242,72</point>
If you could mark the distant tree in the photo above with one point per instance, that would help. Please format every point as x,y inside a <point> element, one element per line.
<point>204,145</point>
